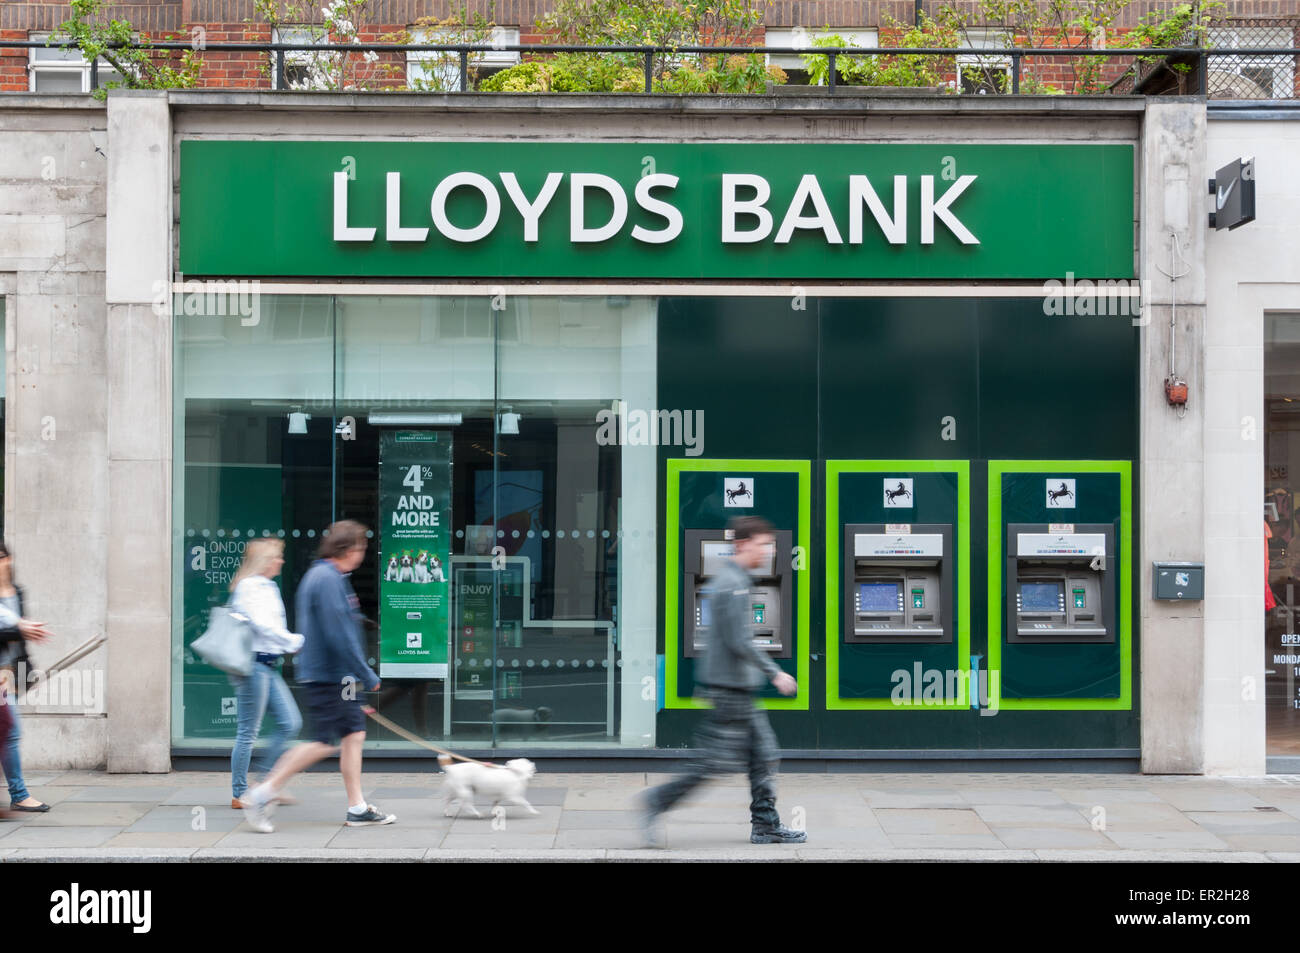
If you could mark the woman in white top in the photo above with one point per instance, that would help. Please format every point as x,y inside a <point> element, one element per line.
<point>256,596</point>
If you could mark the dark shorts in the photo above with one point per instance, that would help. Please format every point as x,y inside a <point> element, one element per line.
<point>330,715</point>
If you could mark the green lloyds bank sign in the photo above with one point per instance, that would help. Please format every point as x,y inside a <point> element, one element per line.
<point>655,210</point>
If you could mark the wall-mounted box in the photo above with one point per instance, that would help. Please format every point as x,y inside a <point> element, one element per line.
<point>1178,580</point>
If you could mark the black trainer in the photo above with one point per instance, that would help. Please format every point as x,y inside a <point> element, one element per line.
<point>779,835</point>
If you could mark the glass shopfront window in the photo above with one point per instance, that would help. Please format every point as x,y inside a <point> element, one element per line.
<point>4,370</point>
<point>1282,532</point>
<point>464,432</point>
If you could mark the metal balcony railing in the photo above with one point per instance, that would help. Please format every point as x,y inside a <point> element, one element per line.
<point>1240,72</point>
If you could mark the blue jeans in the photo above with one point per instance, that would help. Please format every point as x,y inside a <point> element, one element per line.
<point>258,691</point>
<point>10,762</point>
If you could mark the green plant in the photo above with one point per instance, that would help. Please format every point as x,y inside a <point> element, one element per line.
<point>735,74</point>
<point>617,73</point>
<point>594,73</point>
<point>667,23</point>
<point>1060,24</point>
<point>1083,25</point>
<point>531,77</point>
<point>341,22</point>
<point>567,73</point>
<point>891,69</point>
<point>1182,25</point>
<point>139,65</point>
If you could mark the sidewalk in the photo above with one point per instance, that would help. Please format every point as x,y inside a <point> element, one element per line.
<point>186,816</point>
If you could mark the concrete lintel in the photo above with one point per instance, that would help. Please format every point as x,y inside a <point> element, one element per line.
<point>660,103</point>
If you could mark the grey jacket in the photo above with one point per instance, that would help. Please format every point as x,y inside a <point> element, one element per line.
<point>731,660</point>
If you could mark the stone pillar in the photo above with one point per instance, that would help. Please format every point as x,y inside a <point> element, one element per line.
<point>52,172</point>
<point>1172,464</point>
<point>139,431</point>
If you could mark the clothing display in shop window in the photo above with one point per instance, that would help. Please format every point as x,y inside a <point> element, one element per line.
<point>1270,602</point>
<point>1284,526</point>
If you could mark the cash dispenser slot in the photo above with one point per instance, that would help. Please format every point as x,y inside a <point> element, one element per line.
<point>768,606</point>
<point>896,582</point>
<point>1059,583</point>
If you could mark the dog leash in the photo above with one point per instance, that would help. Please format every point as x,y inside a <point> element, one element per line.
<point>410,736</point>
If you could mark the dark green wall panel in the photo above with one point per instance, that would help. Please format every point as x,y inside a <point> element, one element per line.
<point>873,378</point>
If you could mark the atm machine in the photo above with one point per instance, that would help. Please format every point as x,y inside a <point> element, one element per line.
<point>898,586</point>
<point>1059,581</point>
<point>770,600</point>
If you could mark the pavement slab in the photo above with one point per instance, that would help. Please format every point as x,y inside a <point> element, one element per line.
<point>910,798</point>
<point>1058,818</point>
<point>48,837</point>
<point>1041,837</point>
<point>179,819</point>
<point>930,821</point>
<point>91,814</point>
<point>1155,840</point>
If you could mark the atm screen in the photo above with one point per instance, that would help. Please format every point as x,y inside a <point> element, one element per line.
<point>712,553</point>
<point>1040,597</point>
<point>878,596</point>
<point>706,613</point>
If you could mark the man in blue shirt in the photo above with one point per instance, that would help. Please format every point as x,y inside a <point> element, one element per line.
<point>332,670</point>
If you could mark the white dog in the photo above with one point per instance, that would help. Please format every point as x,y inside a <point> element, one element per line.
<point>435,570</point>
<point>393,571</point>
<point>501,784</point>
<point>406,574</point>
<point>422,568</point>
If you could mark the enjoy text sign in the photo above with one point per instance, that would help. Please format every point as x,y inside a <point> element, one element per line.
<point>655,210</point>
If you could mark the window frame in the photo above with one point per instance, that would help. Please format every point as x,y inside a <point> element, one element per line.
<point>978,42</point>
<point>864,36</point>
<point>309,33</point>
<point>487,62</point>
<point>80,66</point>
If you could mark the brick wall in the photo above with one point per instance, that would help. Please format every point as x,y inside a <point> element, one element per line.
<point>227,21</point>
<point>173,15</point>
<point>13,62</point>
<point>236,70</point>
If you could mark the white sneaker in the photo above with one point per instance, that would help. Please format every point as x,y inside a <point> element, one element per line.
<point>257,815</point>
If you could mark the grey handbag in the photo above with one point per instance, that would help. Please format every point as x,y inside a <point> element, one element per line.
<point>228,642</point>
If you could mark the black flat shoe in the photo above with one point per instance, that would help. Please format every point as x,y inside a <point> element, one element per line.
<point>34,809</point>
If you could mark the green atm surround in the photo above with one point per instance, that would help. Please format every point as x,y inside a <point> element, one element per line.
<point>834,584</point>
<point>673,530</point>
<point>998,517</point>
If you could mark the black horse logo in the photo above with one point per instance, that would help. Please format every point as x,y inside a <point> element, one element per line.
<point>738,492</point>
<point>1057,494</point>
<point>900,490</point>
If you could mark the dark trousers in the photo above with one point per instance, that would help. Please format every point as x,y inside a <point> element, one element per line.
<point>734,737</point>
